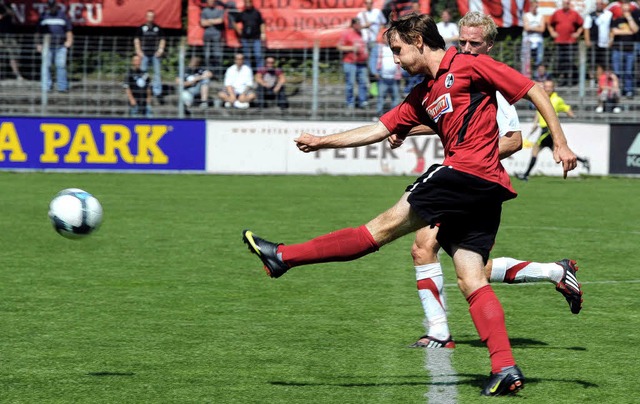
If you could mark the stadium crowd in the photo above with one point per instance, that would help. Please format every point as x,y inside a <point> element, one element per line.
<point>549,48</point>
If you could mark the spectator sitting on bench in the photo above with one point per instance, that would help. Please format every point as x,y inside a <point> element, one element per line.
<point>271,80</point>
<point>196,84</point>
<point>608,92</point>
<point>238,85</point>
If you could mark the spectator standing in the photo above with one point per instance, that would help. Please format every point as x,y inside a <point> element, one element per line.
<point>149,44</point>
<point>238,85</point>
<point>448,30</point>
<point>137,87</point>
<point>212,20</point>
<point>252,33</point>
<point>388,74</point>
<point>533,38</point>
<point>597,26</point>
<point>608,92</point>
<point>195,84</point>
<point>623,33</point>
<point>371,20</point>
<point>8,42</point>
<point>565,27</point>
<point>271,80</point>
<point>55,24</point>
<point>354,64</point>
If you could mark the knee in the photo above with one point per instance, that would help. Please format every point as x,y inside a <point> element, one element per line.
<point>424,251</point>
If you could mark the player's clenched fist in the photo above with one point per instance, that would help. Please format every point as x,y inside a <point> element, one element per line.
<point>307,142</point>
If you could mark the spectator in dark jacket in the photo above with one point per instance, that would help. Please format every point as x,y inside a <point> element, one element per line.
<point>55,25</point>
<point>252,33</point>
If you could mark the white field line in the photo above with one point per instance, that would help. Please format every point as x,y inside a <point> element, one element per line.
<point>442,388</point>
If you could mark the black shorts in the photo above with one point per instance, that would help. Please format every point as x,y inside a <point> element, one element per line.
<point>545,139</point>
<point>465,207</point>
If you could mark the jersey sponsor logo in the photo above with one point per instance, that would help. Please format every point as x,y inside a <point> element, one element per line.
<point>442,105</point>
<point>633,153</point>
<point>448,81</point>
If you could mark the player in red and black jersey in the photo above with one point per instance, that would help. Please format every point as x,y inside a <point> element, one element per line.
<point>463,196</point>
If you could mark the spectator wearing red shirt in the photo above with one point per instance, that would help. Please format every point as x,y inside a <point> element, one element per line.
<point>354,63</point>
<point>565,27</point>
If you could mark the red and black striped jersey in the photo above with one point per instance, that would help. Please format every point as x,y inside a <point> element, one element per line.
<point>460,105</point>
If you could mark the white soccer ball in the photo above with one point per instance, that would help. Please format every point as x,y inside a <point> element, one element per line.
<point>75,213</point>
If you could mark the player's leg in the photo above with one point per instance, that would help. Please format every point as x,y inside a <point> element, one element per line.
<point>342,245</point>
<point>561,273</point>
<point>488,317</point>
<point>545,140</point>
<point>585,163</point>
<point>430,282</point>
<point>534,157</point>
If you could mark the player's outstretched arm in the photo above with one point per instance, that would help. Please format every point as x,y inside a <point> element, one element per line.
<point>361,136</point>
<point>561,151</point>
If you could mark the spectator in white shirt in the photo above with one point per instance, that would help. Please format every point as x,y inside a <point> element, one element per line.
<point>238,85</point>
<point>533,39</point>
<point>371,20</point>
<point>447,29</point>
<point>597,27</point>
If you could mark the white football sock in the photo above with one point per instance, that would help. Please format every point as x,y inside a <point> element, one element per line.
<point>528,271</point>
<point>432,296</point>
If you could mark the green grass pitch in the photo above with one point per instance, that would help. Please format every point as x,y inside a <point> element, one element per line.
<point>164,304</point>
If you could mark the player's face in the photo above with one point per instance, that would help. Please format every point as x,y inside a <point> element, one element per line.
<point>472,41</point>
<point>406,55</point>
<point>549,87</point>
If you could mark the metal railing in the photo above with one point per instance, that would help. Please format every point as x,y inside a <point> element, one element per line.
<point>97,66</point>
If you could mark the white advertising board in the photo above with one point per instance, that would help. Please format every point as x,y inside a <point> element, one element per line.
<point>267,147</point>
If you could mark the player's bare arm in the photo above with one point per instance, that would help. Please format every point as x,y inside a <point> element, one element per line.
<point>561,151</point>
<point>396,140</point>
<point>510,143</point>
<point>361,136</point>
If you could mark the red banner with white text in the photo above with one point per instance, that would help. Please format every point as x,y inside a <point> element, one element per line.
<point>103,13</point>
<point>292,24</point>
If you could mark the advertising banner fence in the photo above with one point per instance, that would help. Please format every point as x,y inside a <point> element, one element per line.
<point>101,144</point>
<point>267,147</point>
<point>624,154</point>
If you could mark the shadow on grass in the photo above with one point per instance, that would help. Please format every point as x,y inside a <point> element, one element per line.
<point>103,374</point>
<point>520,343</point>
<point>475,380</point>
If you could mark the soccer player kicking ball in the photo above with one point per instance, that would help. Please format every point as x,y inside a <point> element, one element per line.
<point>463,196</point>
<point>477,35</point>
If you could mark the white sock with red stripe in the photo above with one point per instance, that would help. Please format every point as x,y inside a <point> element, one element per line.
<point>510,270</point>
<point>431,291</point>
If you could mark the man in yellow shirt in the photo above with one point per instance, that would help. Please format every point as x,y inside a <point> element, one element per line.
<point>545,139</point>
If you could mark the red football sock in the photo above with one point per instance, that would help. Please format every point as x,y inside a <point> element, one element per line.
<point>342,245</point>
<point>488,317</point>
